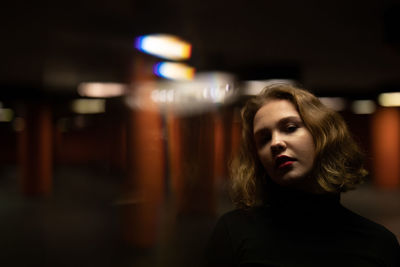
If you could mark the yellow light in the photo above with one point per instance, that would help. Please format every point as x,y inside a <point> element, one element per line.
<point>89,106</point>
<point>101,89</point>
<point>389,99</point>
<point>164,45</point>
<point>6,114</point>
<point>363,107</point>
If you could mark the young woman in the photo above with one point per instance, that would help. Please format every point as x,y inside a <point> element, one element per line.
<point>297,156</point>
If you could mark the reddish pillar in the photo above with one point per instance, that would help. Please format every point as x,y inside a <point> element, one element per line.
<point>175,157</point>
<point>118,144</point>
<point>146,176</point>
<point>35,150</point>
<point>146,163</point>
<point>219,148</point>
<point>236,134</point>
<point>386,147</point>
<point>223,143</point>
<point>192,163</point>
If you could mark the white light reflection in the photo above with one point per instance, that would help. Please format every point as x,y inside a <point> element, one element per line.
<point>205,92</point>
<point>363,107</point>
<point>164,45</point>
<point>105,90</point>
<point>174,71</point>
<point>89,106</point>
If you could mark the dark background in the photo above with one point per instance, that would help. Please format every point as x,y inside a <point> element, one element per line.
<point>329,46</point>
<point>334,48</point>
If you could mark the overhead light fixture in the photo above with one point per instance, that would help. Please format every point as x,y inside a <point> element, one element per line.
<point>96,89</point>
<point>174,71</point>
<point>164,45</point>
<point>363,107</point>
<point>89,106</point>
<point>389,99</point>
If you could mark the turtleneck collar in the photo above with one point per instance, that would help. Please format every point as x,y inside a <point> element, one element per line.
<point>285,197</point>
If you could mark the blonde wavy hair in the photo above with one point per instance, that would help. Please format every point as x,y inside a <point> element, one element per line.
<point>338,164</point>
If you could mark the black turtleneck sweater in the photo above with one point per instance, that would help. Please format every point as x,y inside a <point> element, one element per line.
<point>297,229</point>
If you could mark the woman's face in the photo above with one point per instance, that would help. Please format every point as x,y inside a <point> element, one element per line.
<point>284,145</point>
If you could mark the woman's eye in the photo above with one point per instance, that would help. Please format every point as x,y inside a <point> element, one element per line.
<point>291,128</point>
<point>263,139</point>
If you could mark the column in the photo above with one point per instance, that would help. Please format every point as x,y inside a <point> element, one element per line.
<point>386,147</point>
<point>35,150</point>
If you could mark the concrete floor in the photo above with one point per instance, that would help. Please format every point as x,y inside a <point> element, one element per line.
<point>80,225</point>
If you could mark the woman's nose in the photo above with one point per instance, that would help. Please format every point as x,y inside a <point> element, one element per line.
<point>277,144</point>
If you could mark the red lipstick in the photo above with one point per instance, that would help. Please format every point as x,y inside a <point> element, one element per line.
<point>283,161</point>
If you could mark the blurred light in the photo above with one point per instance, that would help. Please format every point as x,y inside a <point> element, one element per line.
<point>163,95</point>
<point>19,124</point>
<point>174,71</point>
<point>164,45</point>
<point>363,107</point>
<point>335,103</point>
<point>389,99</point>
<point>62,125</point>
<point>101,89</point>
<point>6,114</point>
<point>204,93</point>
<point>80,122</point>
<point>255,87</point>
<point>89,106</point>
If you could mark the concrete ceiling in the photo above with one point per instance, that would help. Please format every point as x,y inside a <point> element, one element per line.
<point>330,46</point>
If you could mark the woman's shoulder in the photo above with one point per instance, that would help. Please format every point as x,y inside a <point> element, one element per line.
<point>236,214</point>
<point>234,217</point>
<point>373,230</point>
<point>362,222</point>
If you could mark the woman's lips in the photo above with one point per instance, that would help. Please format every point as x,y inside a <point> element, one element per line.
<point>285,164</point>
<point>283,161</point>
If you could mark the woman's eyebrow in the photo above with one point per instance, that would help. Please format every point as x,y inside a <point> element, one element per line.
<point>289,119</point>
<point>281,122</point>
